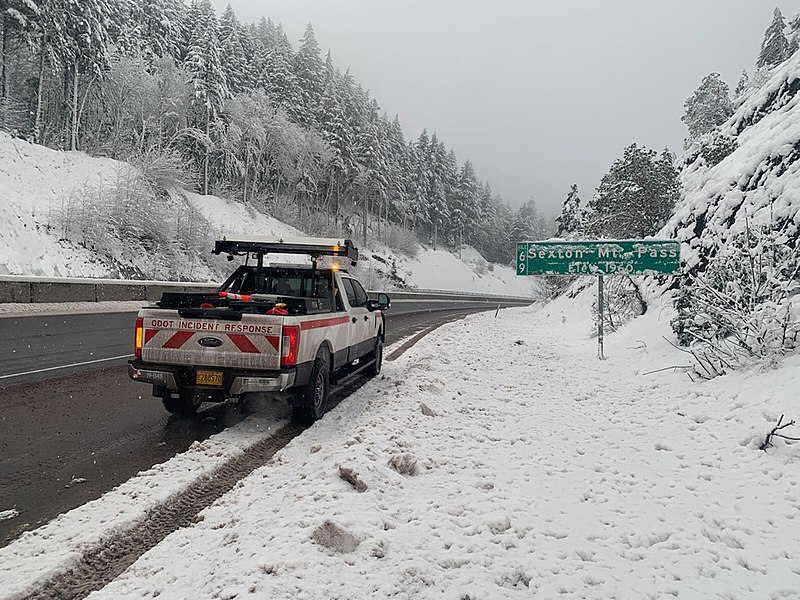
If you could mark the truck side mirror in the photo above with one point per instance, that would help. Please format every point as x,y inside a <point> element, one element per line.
<point>384,302</point>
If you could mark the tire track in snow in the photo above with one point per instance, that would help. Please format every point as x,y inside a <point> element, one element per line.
<point>102,563</point>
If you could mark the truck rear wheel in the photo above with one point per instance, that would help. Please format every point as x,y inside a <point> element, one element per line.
<point>185,404</point>
<point>310,402</point>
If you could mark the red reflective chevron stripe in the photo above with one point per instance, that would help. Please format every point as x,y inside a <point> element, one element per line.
<point>179,339</point>
<point>274,340</point>
<point>324,322</point>
<point>243,343</point>
<point>149,333</point>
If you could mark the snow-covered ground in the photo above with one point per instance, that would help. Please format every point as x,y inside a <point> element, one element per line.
<point>531,467</point>
<point>443,270</point>
<point>36,182</point>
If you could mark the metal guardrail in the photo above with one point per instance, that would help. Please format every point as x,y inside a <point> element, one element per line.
<point>54,289</point>
<point>28,290</point>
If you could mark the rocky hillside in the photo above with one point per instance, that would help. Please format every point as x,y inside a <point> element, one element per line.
<point>745,174</point>
<point>739,219</point>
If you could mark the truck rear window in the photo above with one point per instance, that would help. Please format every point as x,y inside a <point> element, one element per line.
<point>284,282</point>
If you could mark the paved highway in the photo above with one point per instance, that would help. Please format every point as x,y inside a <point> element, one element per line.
<point>68,409</point>
<point>37,348</point>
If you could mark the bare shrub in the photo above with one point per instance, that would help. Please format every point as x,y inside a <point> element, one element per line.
<point>401,240</point>
<point>136,232</point>
<point>548,287</point>
<point>164,169</point>
<point>192,237</point>
<point>741,308</point>
<point>622,301</point>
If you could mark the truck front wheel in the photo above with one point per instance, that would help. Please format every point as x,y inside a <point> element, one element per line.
<point>375,368</point>
<point>311,400</point>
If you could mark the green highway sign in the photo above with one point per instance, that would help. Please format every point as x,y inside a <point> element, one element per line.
<point>599,257</point>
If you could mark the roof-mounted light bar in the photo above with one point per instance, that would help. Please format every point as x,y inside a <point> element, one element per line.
<point>311,246</point>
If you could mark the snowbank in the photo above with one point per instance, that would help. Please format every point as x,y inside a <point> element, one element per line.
<point>228,218</point>
<point>442,270</point>
<point>532,468</point>
<point>35,181</point>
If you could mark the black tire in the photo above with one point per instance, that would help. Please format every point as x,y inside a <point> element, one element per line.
<point>186,404</point>
<point>245,402</point>
<point>173,405</point>
<point>311,400</point>
<point>375,368</point>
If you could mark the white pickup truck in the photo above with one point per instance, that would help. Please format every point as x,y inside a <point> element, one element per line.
<point>269,328</point>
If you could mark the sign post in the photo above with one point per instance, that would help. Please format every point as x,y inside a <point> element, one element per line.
<point>599,257</point>
<point>600,354</point>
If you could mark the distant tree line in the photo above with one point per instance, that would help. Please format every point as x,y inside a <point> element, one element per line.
<point>248,116</point>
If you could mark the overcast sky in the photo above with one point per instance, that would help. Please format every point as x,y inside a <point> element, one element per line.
<point>538,94</point>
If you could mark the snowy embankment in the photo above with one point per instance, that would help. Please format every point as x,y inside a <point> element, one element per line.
<point>541,469</point>
<point>42,189</point>
<point>35,181</point>
<point>532,466</point>
<point>442,270</point>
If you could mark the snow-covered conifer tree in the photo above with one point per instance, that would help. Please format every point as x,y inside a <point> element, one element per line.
<point>437,187</point>
<point>569,221</point>
<point>529,224</point>
<point>742,87</point>
<point>794,33</point>
<point>708,107</point>
<point>400,167</point>
<point>152,27</point>
<point>18,19</point>
<point>310,73</point>
<point>775,47</point>
<point>636,197</point>
<point>206,72</point>
<point>231,51</point>
<point>274,68</point>
<point>85,51</point>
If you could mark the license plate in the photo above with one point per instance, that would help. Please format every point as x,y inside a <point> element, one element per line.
<point>209,378</point>
<point>159,376</point>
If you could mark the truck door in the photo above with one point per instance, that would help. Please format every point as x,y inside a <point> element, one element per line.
<point>370,329</point>
<point>359,319</point>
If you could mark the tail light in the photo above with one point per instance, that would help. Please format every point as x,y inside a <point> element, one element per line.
<point>289,345</point>
<point>139,336</point>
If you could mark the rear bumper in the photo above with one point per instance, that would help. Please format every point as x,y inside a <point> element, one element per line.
<point>234,382</point>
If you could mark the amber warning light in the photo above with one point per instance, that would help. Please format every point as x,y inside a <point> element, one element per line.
<point>139,335</point>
